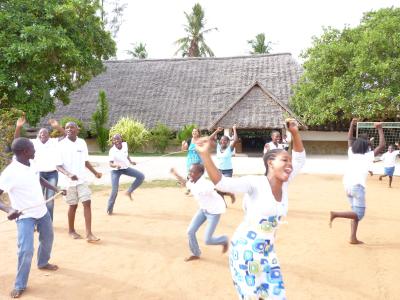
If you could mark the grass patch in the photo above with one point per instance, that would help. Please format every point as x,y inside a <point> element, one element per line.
<point>146,184</point>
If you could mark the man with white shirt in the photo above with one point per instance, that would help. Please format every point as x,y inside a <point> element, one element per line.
<point>389,163</point>
<point>45,156</point>
<point>73,161</point>
<point>211,206</point>
<point>23,184</point>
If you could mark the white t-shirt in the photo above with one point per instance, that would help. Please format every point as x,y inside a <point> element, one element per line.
<point>258,200</point>
<point>204,192</point>
<point>46,154</point>
<point>119,156</point>
<point>389,158</point>
<point>72,156</point>
<point>357,168</point>
<point>272,146</point>
<point>22,183</point>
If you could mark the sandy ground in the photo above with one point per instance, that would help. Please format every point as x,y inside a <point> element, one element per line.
<point>142,247</point>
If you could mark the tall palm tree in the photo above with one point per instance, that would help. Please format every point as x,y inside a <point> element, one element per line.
<point>139,51</point>
<point>193,44</point>
<point>258,45</point>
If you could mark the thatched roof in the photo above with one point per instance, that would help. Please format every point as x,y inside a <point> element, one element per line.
<point>252,91</point>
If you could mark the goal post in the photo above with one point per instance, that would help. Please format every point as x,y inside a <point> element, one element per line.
<point>391,131</point>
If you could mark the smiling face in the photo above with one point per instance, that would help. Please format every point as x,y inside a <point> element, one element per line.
<point>195,133</point>
<point>195,172</point>
<point>117,141</point>
<point>280,166</point>
<point>390,148</point>
<point>43,135</point>
<point>224,141</point>
<point>276,137</point>
<point>71,130</point>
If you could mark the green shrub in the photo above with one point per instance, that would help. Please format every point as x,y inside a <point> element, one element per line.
<point>132,132</point>
<point>82,131</point>
<point>186,132</point>
<point>161,137</point>
<point>100,119</point>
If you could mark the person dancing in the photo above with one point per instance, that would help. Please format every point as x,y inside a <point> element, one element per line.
<point>120,161</point>
<point>255,269</point>
<point>211,207</point>
<point>354,179</point>
<point>389,162</point>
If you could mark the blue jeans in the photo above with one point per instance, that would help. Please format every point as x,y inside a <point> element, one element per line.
<point>115,175</point>
<point>25,229</point>
<point>198,219</point>
<point>52,178</point>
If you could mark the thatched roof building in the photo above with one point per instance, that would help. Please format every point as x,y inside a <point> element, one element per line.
<point>251,91</point>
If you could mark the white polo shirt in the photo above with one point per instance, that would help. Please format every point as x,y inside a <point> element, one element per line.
<point>45,154</point>
<point>119,156</point>
<point>72,157</point>
<point>357,168</point>
<point>22,183</point>
<point>389,158</point>
<point>272,146</point>
<point>204,192</point>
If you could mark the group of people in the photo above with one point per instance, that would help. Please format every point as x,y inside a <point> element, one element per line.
<point>32,177</point>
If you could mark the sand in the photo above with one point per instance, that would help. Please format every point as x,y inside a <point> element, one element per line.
<point>143,244</point>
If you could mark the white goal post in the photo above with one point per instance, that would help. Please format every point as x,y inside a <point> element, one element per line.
<point>391,131</point>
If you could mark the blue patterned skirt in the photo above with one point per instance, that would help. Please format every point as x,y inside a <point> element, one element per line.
<point>254,265</point>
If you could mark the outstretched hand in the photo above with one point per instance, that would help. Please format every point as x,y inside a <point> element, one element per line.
<point>204,144</point>
<point>292,125</point>
<point>21,120</point>
<point>378,125</point>
<point>13,214</point>
<point>53,123</point>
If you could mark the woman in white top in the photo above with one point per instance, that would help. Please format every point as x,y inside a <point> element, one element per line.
<point>389,163</point>
<point>254,265</point>
<point>211,206</point>
<point>120,161</point>
<point>355,176</point>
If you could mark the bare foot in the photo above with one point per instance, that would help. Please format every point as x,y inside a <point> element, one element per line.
<point>75,235</point>
<point>332,217</point>
<point>129,195</point>
<point>225,247</point>
<point>233,198</point>
<point>90,238</point>
<point>192,257</point>
<point>16,293</point>
<point>356,242</point>
<point>49,267</point>
<point>380,178</point>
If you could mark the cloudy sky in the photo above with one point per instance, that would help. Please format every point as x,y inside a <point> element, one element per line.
<point>288,24</point>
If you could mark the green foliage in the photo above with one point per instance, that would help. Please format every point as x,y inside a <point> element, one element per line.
<point>100,119</point>
<point>47,50</point>
<point>8,117</point>
<point>139,51</point>
<point>193,44</point>
<point>161,136</point>
<point>132,132</point>
<point>186,132</point>
<point>352,73</point>
<point>82,131</point>
<point>258,45</point>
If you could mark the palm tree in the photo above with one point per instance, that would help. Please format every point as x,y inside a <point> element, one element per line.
<point>193,44</point>
<point>258,45</point>
<point>139,51</point>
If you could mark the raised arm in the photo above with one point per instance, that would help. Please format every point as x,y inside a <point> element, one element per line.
<point>235,137</point>
<point>54,124</point>
<point>293,128</point>
<point>20,123</point>
<point>381,144</point>
<point>185,146</point>
<point>350,134</point>
<point>213,136</point>
<point>203,146</point>
<point>181,180</point>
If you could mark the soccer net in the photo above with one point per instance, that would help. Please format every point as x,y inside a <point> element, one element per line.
<point>391,131</point>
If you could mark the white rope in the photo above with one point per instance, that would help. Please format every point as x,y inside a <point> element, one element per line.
<point>37,205</point>
<point>157,157</point>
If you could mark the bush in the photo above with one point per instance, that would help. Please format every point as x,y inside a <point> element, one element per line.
<point>186,132</point>
<point>160,137</point>
<point>132,132</point>
<point>82,131</point>
<point>100,119</point>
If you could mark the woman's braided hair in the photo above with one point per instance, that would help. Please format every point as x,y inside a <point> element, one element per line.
<point>270,155</point>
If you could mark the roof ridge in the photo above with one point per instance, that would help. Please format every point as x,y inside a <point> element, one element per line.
<point>198,58</point>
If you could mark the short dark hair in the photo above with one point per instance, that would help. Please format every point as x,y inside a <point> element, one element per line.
<point>360,146</point>
<point>275,131</point>
<point>199,167</point>
<point>270,155</point>
<point>19,145</point>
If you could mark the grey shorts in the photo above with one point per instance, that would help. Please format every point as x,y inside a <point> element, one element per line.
<point>78,193</point>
